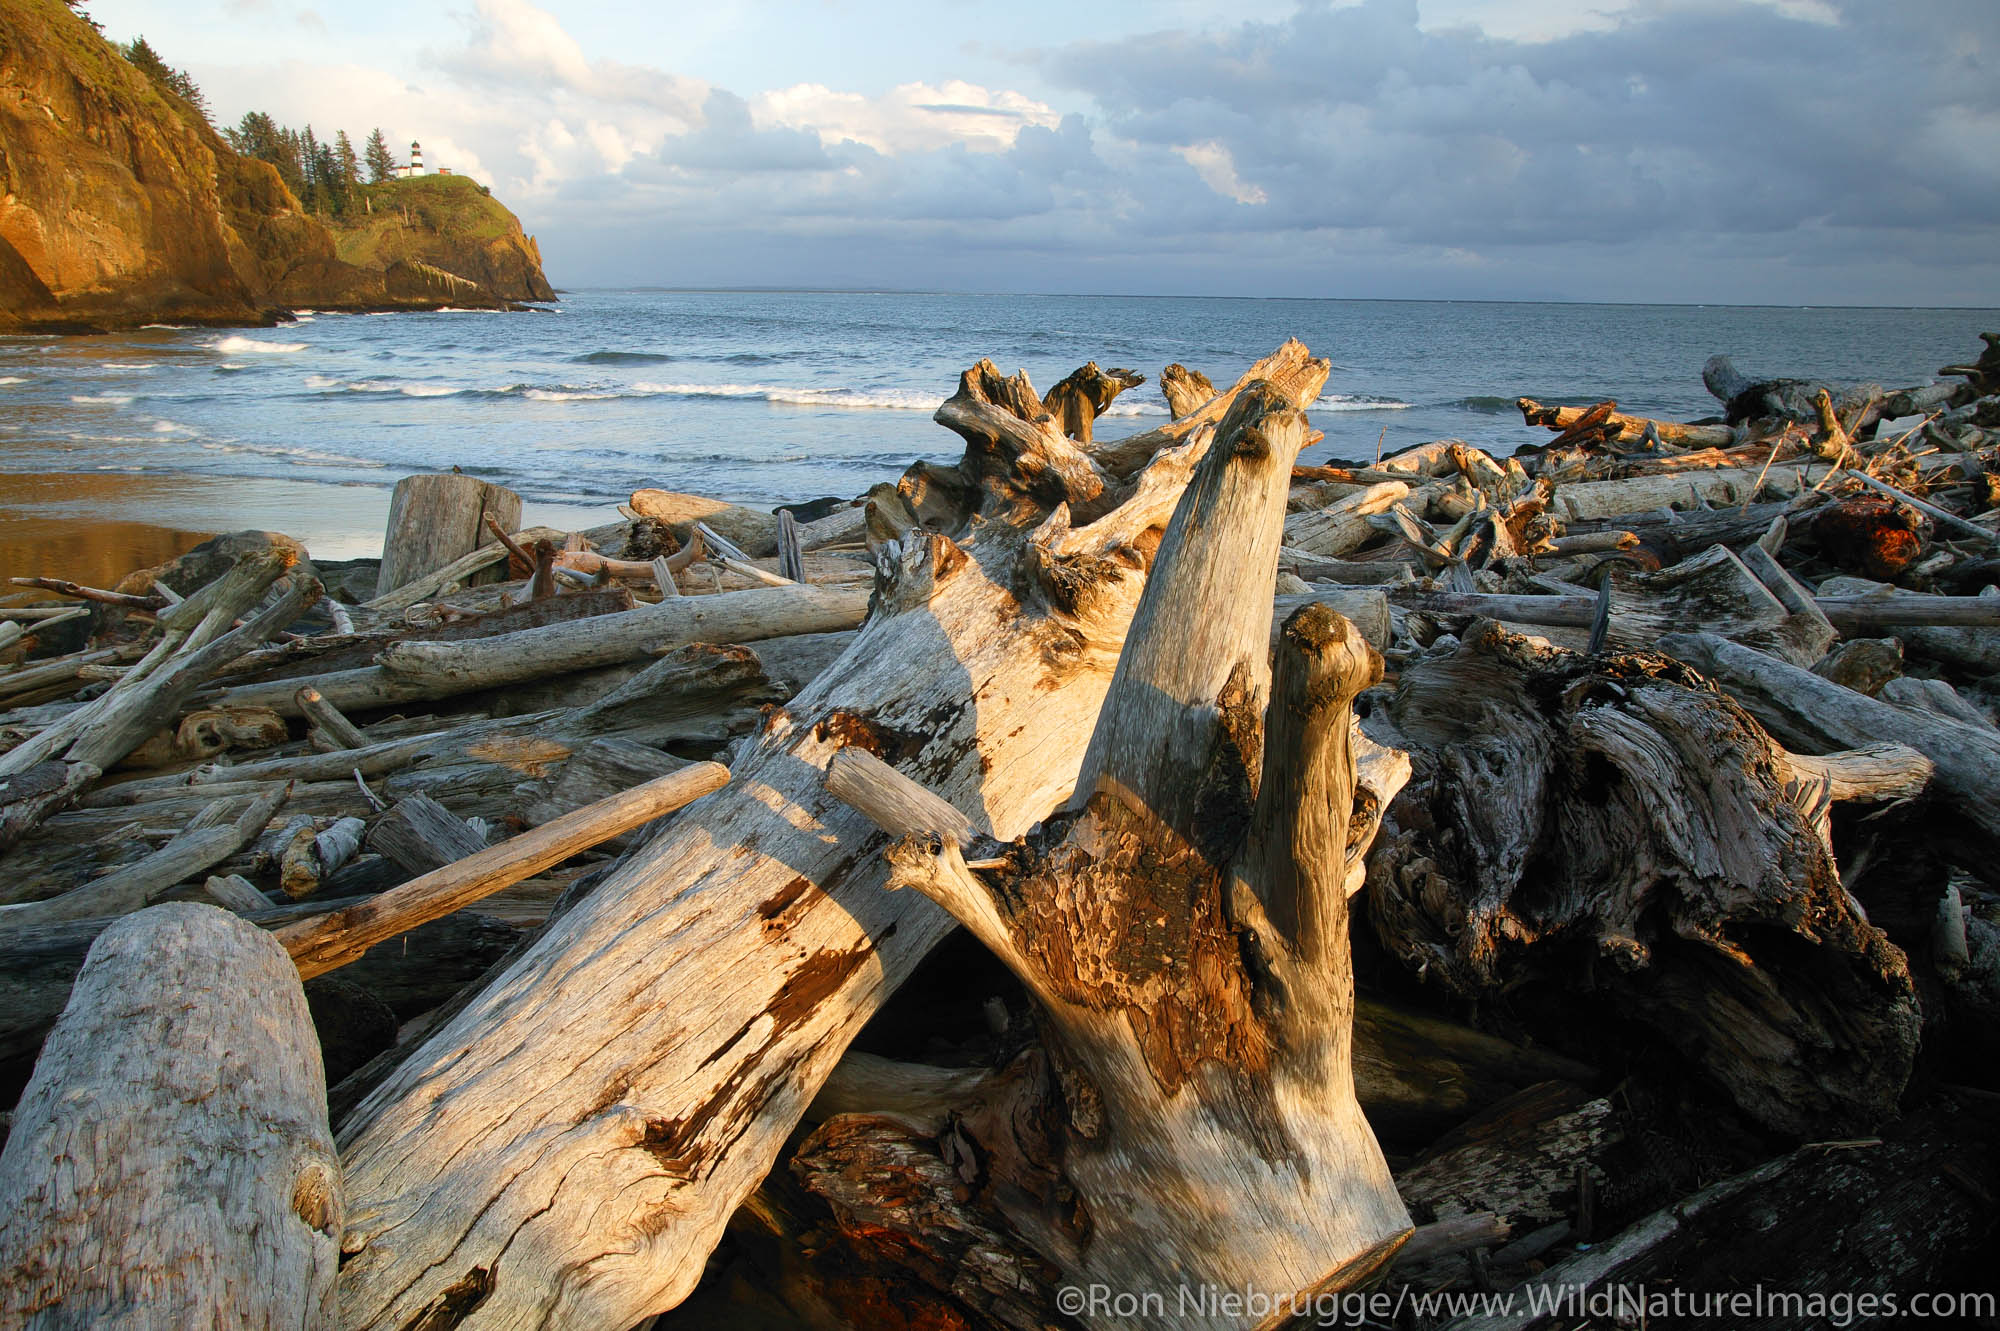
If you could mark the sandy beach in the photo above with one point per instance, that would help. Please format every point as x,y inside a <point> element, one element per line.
<point>96,527</point>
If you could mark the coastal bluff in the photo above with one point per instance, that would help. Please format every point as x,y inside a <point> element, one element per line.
<point>120,205</point>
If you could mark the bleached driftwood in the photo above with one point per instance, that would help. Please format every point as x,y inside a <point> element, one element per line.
<point>412,671</point>
<point>210,837</point>
<point>663,1037</point>
<point>437,518</point>
<point>1343,525</point>
<point>1183,928</point>
<point>198,640</point>
<point>1806,712</point>
<point>170,1162</point>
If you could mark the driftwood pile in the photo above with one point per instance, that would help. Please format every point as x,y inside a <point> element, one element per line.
<point>1449,875</point>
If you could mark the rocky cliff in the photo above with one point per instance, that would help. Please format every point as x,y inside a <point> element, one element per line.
<point>120,205</point>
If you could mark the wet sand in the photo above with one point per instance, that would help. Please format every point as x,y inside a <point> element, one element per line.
<point>96,527</point>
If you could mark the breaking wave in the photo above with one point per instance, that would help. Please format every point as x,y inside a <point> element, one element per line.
<point>236,345</point>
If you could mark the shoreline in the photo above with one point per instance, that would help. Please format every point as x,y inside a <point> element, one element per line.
<point>95,527</point>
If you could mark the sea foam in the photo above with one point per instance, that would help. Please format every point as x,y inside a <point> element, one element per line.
<point>236,345</point>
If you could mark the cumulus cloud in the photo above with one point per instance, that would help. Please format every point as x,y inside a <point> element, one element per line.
<point>913,117</point>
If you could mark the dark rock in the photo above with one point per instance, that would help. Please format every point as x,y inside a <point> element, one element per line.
<point>812,510</point>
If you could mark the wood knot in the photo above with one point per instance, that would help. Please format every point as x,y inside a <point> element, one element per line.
<point>316,1198</point>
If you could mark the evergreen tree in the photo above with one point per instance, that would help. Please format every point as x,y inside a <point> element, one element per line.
<point>381,163</point>
<point>329,185</point>
<point>256,135</point>
<point>349,164</point>
<point>314,196</point>
<point>177,82</point>
<point>289,158</point>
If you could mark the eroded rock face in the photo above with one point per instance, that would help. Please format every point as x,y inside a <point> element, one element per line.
<point>120,205</point>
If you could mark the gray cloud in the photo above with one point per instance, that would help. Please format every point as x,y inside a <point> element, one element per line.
<point>728,142</point>
<point>1688,149</point>
<point>1682,119</point>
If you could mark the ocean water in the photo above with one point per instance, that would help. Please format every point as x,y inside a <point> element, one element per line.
<point>767,397</point>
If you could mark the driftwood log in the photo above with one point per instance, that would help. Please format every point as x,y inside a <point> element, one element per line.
<point>1615,825</point>
<point>1809,713</point>
<point>411,671</point>
<point>658,1043</point>
<point>170,1163</point>
<point>47,772</point>
<point>1183,929</point>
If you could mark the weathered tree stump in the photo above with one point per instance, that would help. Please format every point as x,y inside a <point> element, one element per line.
<point>1183,928</point>
<point>1615,824</point>
<point>437,518</point>
<point>170,1163</point>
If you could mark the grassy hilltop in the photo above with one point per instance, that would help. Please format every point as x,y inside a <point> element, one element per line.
<point>121,205</point>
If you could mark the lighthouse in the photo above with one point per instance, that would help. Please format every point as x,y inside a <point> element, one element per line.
<point>416,166</point>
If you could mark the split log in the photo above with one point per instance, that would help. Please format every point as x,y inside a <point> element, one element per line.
<point>315,853</point>
<point>1613,824</point>
<point>170,1163</point>
<point>655,1099</point>
<point>1183,928</point>
<point>754,531</point>
<point>1629,429</point>
<point>421,835</point>
<point>791,555</point>
<point>436,519</point>
<point>1806,713</point>
<point>414,671</point>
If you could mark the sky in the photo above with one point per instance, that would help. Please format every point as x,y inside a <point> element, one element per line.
<point>1817,152</point>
